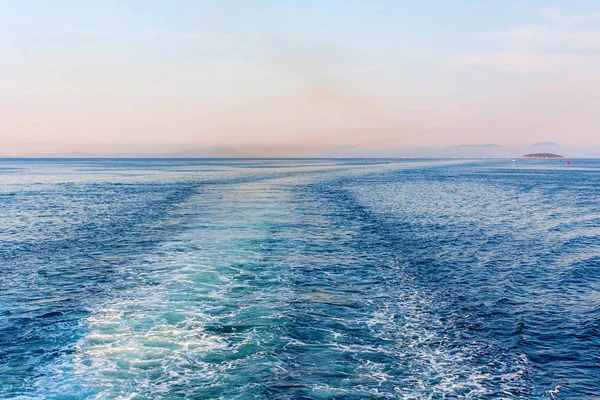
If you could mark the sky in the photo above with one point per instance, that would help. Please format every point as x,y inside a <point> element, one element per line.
<point>296,77</point>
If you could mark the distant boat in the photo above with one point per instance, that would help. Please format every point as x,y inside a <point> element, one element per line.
<point>569,162</point>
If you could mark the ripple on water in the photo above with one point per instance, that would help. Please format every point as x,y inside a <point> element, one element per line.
<point>316,281</point>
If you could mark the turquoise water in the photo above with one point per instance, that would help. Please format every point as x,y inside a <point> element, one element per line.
<point>242,279</point>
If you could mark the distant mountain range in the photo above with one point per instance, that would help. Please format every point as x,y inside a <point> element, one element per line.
<point>488,150</point>
<point>207,152</point>
<point>545,144</point>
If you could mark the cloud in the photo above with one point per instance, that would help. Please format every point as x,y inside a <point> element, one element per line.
<point>320,101</point>
<point>518,62</point>
<point>558,42</point>
<point>547,38</point>
<point>566,18</point>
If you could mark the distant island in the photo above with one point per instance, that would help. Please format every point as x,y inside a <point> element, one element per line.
<point>542,155</point>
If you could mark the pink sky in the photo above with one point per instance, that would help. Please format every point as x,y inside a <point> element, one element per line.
<point>139,83</point>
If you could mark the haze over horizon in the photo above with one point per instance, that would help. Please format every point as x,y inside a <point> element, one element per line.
<point>297,78</point>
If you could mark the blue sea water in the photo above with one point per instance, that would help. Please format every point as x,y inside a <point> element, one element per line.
<point>293,279</point>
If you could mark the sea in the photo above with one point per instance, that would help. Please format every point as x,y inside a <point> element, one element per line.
<point>299,279</point>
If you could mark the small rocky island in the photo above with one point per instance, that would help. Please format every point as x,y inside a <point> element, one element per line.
<point>542,155</point>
